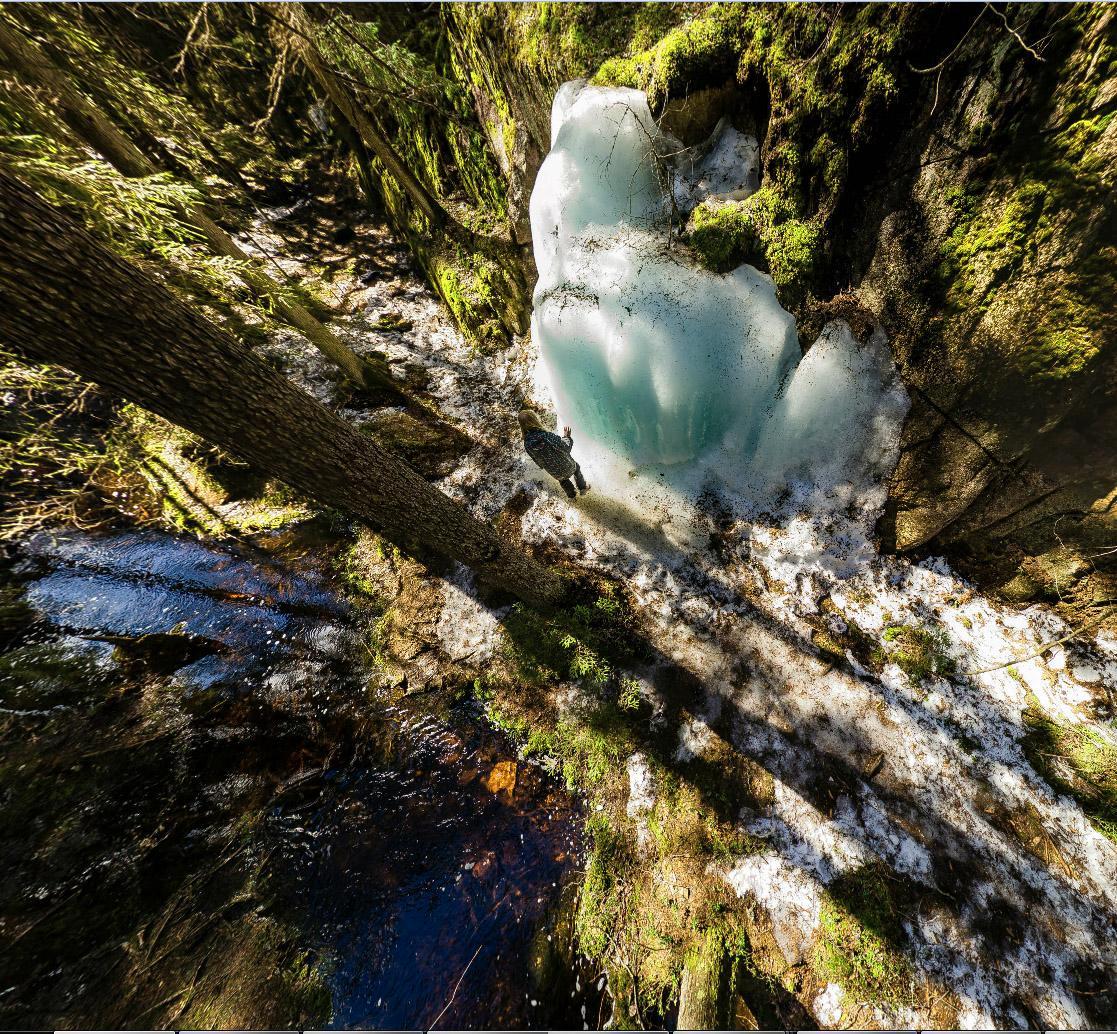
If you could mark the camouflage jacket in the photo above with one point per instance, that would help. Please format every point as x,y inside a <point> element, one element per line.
<point>551,452</point>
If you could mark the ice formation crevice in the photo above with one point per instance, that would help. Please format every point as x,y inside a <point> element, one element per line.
<point>679,380</point>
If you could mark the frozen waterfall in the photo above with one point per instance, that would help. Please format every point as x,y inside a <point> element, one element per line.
<point>676,380</point>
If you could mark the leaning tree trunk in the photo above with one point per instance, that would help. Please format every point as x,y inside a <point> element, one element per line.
<point>66,299</point>
<point>26,59</point>
<point>294,18</point>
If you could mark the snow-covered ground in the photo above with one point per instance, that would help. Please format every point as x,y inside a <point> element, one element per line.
<point>928,778</point>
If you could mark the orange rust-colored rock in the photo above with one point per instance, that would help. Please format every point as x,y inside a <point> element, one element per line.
<point>502,777</point>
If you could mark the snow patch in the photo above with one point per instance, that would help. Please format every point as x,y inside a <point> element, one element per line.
<point>641,796</point>
<point>828,1005</point>
<point>791,898</point>
<point>726,167</point>
<point>467,631</point>
<point>641,786</point>
<point>695,737</point>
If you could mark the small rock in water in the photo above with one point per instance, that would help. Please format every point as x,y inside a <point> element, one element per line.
<point>483,864</point>
<point>502,777</point>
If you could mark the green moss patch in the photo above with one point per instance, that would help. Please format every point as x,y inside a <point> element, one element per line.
<point>1001,237</point>
<point>646,913</point>
<point>919,651</point>
<point>1077,761</point>
<point>860,940</point>
<point>261,969</point>
<point>560,41</point>
<point>760,230</point>
<point>588,642</point>
<point>701,52</point>
<point>1030,248</point>
<point>600,901</point>
<point>482,291</point>
<point>198,487</point>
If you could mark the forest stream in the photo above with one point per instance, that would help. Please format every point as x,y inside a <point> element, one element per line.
<point>204,767</point>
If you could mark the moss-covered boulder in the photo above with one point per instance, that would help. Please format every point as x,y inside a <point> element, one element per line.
<point>763,231</point>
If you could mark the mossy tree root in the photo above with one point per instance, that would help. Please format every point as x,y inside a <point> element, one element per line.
<point>702,997</point>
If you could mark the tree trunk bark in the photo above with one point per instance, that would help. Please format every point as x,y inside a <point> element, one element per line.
<point>701,994</point>
<point>66,299</point>
<point>301,29</point>
<point>27,60</point>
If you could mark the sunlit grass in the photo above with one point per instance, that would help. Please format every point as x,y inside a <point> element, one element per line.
<point>1078,761</point>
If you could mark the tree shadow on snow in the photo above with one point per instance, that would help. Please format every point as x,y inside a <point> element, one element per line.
<point>987,875</point>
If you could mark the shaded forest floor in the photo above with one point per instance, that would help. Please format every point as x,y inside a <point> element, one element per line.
<point>878,797</point>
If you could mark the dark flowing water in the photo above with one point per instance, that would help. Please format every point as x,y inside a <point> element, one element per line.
<point>192,731</point>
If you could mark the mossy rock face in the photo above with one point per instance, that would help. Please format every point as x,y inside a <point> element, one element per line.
<point>966,211</point>
<point>483,292</point>
<point>995,279</point>
<point>700,53</point>
<point>816,86</point>
<point>513,57</point>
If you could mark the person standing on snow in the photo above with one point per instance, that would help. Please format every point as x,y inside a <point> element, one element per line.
<point>552,453</point>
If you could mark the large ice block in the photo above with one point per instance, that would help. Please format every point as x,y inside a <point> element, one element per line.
<point>672,375</point>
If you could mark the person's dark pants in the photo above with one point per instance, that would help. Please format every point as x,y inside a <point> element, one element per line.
<point>568,488</point>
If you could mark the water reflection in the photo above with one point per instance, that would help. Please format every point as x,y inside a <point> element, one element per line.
<point>232,747</point>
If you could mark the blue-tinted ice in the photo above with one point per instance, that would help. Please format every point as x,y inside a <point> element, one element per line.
<point>674,378</point>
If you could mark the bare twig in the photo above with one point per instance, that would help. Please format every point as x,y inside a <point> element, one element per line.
<point>1013,32</point>
<point>1043,649</point>
<point>456,986</point>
